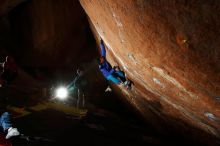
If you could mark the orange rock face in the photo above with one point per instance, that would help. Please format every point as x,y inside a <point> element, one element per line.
<point>170,50</point>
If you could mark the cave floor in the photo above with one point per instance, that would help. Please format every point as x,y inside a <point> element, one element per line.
<point>51,127</point>
<point>57,123</point>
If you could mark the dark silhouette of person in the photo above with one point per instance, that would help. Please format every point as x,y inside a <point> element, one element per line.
<point>9,70</point>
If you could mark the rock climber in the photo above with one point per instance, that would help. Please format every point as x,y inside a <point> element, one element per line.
<point>114,74</point>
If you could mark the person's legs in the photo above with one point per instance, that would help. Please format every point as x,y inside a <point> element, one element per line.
<point>78,98</point>
<point>114,79</point>
<point>121,75</point>
<point>5,121</point>
<point>126,82</point>
<point>83,100</point>
<point>7,126</point>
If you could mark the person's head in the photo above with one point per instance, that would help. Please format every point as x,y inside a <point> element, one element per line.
<point>79,72</point>
<point>102,59</point>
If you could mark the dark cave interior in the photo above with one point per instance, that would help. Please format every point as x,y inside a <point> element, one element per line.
<point>50,39</point>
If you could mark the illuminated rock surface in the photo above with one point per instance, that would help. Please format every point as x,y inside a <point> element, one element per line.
<point>170,50</point>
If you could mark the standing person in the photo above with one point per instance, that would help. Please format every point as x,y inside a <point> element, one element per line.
<point>7,126</point>
<point>80,84</point>
<point>9,70</point>
<point>114,74</point>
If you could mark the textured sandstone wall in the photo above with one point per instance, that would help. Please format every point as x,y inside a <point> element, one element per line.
<point>170,50</point>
